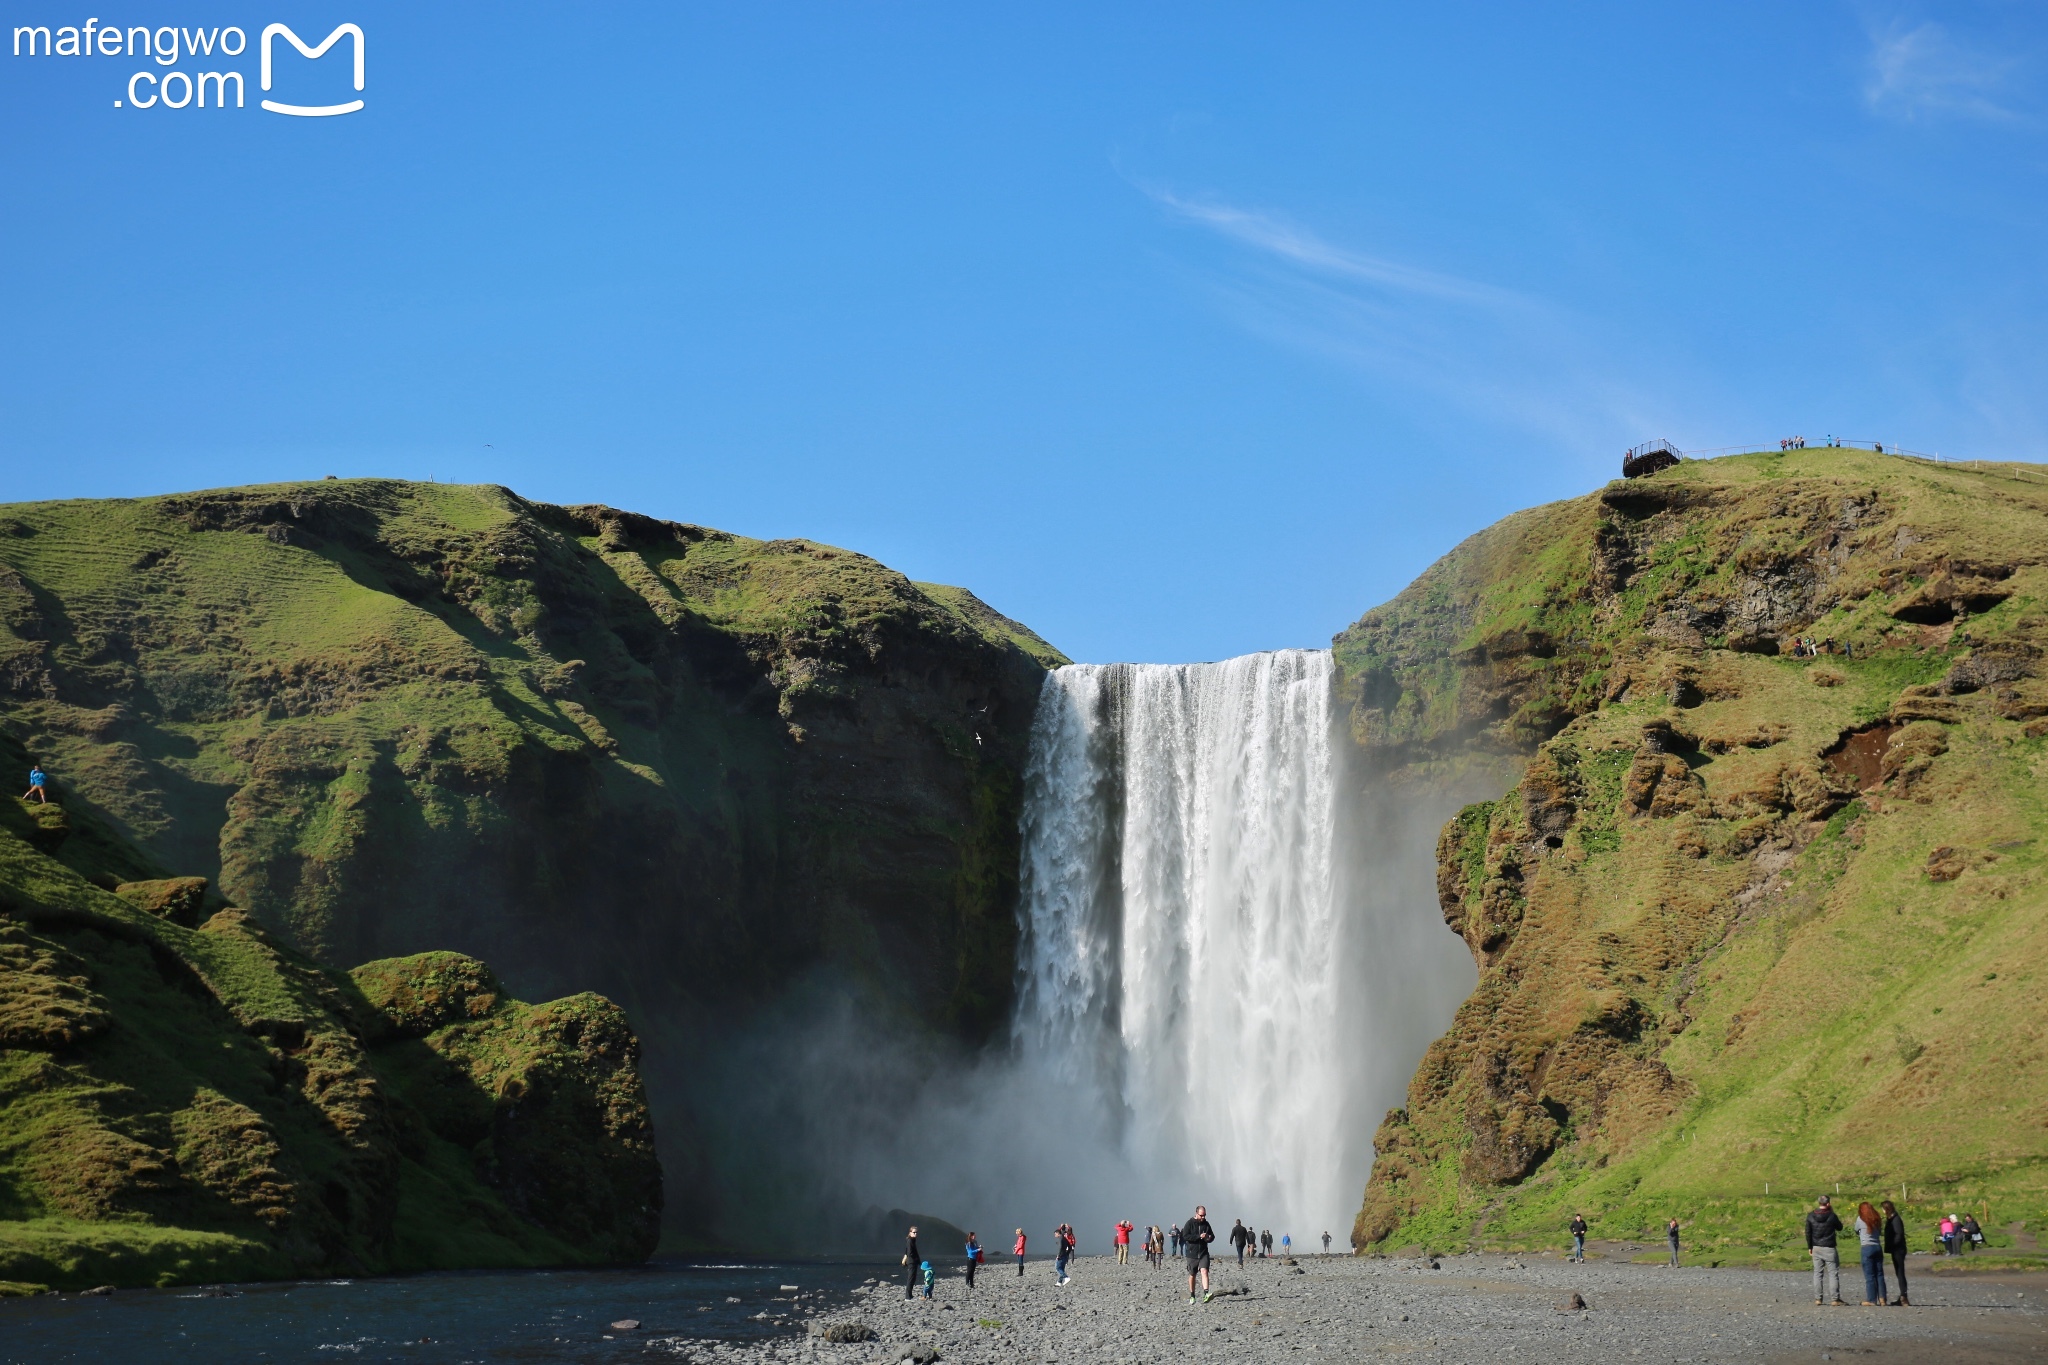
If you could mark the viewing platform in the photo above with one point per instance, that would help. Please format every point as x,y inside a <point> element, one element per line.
<point>1648,458</point>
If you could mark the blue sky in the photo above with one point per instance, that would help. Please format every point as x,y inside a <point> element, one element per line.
<point>1175,331</point>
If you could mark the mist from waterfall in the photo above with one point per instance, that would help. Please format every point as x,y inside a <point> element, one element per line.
<point>1231,961</point>
<point>1183,941</point>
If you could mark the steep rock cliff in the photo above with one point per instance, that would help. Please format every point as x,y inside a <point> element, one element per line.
<point>600,751</point>
<point>1743,914</point>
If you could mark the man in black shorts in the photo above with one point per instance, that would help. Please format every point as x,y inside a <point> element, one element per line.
<point>1197,1234</point>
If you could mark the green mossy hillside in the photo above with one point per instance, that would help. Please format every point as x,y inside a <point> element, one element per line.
<point>195,1102</point>
<point>598,750</point>
<point>1750,923</point>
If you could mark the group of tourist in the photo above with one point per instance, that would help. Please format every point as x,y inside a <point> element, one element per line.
<point>1190,1240</point>
<point>1880,1233</point>
<point>1958,1235</point>
<point>1806,647</point>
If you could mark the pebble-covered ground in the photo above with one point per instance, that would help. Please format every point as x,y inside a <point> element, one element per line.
<point>1475,1308</point>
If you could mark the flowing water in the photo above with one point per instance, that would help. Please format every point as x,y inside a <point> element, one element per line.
<point>543,1317</point>
<point>1183,937</point>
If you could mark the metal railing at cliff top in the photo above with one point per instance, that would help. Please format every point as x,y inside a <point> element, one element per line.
<point>1826,443</point>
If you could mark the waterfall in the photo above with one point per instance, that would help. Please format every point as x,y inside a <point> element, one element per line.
<point>1181,929</point>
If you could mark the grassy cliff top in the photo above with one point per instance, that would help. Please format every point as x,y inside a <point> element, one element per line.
<point>1513,632</point>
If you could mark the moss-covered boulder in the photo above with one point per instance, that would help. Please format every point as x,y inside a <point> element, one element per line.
<point>179,899</point>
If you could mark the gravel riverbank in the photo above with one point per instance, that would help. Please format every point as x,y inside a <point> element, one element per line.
<point>1475,1308</point>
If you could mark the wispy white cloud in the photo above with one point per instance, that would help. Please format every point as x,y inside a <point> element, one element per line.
<point>1292,243</point>
<point>1925,71</point>
<point>1479,349</point>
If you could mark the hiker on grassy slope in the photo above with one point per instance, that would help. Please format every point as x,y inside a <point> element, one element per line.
<point>1821,1227</point>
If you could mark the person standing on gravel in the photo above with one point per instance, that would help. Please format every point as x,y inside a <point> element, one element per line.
<point>1196,1234</point>
<point>1895,1247</point>
<point>912,1261</point>
<point>1671,1235</point>
<point>1870,1251</point>
<point>1578,1231</point>
<point>1326,1244</point>
<point>1124,1228</point>
<point>1821,1227</point>
<point>1240,1237</point>
<point>1174,1233</point>
<point>1019,1249</point>
<point>973,1257</point>
<point>1063,1239</point>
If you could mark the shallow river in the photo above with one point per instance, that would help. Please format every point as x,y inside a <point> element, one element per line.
<point>538,1316</point>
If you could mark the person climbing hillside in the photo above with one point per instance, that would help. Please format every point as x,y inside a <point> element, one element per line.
<point>973,1257</point>
<point>1578,1231</point>
<point>1124,1228</point>
<point>1671,1235</point>
<point>1019,1250</point>
<point>35,784</point>
<point>1240,1237</point>
<point>911,1262</point>
<point>1870,1251</point>
<point>1821,1227</point>
<point>1196,1234</point>
<point>1895,1247</point>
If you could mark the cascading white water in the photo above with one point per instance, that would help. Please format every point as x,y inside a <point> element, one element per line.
<point>1180,958</point>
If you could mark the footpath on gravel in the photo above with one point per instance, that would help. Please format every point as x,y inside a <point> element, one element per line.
<point>1472,1310</point>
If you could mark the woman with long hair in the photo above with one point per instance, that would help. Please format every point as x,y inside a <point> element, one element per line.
<point>1895,1247</point>
<point>1870,1240</point>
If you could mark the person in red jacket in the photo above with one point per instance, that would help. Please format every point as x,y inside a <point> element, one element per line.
<point>1123,1241</point>
<point>1019,1249</point>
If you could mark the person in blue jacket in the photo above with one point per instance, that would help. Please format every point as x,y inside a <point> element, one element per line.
<point>973,1257</point>
<point>35,784</point>
<point>925,1269</point>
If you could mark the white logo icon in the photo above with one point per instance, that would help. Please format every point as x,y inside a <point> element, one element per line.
<point>314,53</point>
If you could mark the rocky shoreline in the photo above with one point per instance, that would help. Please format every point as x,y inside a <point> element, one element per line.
<point>1471,1308</point>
